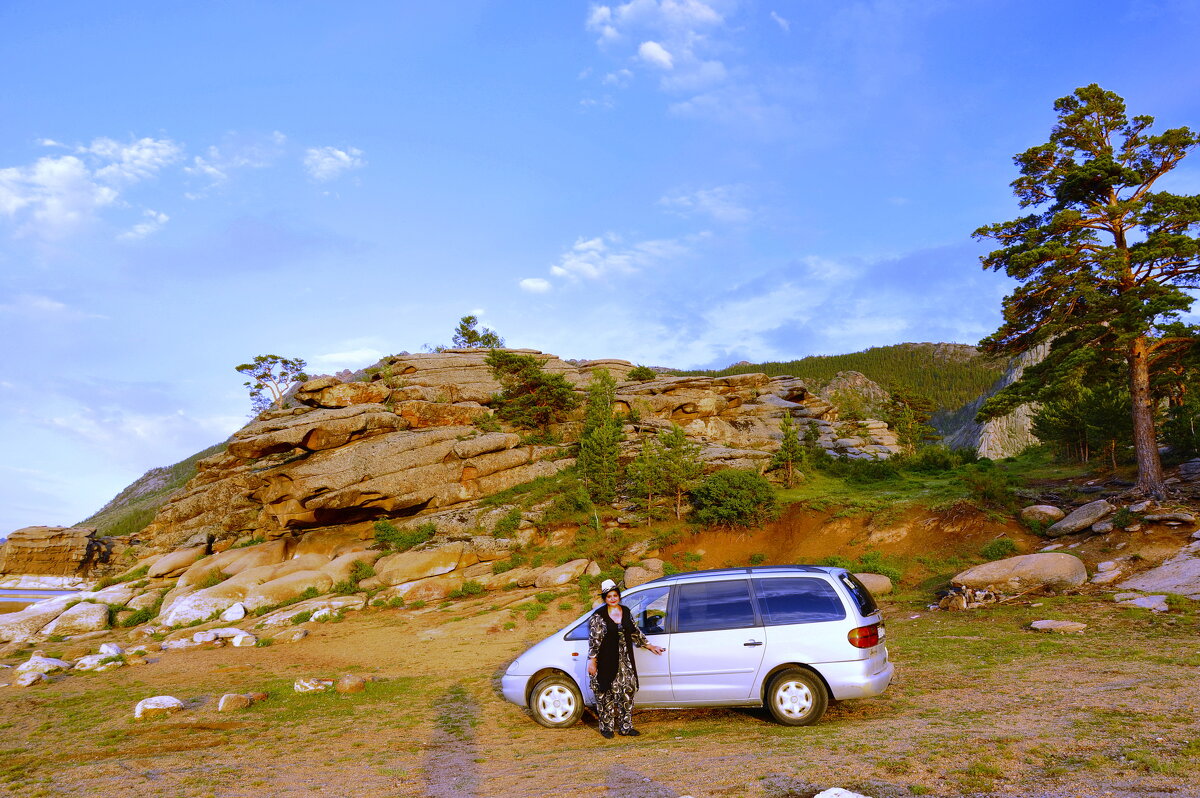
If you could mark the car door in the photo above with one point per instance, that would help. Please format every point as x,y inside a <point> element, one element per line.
<point>717,643</point>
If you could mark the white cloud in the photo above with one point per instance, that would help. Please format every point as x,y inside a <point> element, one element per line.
<point>53,196</point>
<point>593,258</point>
<point>235,152</point>
<point>140,437</point>
<point>328,163</point>
<point>620,78</point>
<point>783,23</point>
<point>534,285</point>
<point>721,203</point>
<point>351,358</point>
<point>130,163</point>
<point>153,221</point>
<point>654,53</point>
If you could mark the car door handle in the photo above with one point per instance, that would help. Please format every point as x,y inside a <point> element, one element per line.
<point>752,643</point>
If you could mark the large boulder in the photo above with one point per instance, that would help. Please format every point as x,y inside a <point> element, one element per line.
<point>408,566</point>
<point>1051,570</point>
<point>1042,514</point>
<point>198,606</point>
<point>175,563</point>
<point>1179,574</point>
<point>563,574</point>
<point>1081,518</point>
<point>157,707</point>
<point>82,618</point>
<point>876,584</point>
<point>19,627</point>
<point>287,587</point>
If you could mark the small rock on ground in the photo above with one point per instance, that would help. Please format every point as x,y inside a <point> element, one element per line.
<point>1061,627</point>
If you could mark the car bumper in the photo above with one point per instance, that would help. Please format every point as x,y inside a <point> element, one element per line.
<point>848,679</point>
<point>513,686</point>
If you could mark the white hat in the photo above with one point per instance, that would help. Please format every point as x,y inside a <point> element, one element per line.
<point>607,585</point>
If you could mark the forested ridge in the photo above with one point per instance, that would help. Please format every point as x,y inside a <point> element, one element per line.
<point>949,375</point>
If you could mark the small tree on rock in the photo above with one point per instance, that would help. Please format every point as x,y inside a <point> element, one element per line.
<point>466,336</point>
<point>599,450</point>
<point>790,454</point>
<point>530,397</point>
<point>271,376</point>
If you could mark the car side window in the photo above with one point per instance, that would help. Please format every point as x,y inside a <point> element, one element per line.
<point>649,610</point>
<point>798,600</point>
<point>714,605</point>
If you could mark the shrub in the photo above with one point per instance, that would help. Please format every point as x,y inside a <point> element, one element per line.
<point>109,581</point>
<point>1123,518</point>
<point>734,498</point>
<point>514,560</point>
<point>508,524</point>
<point>466,589</point>
<point>530,398</point>
<point>998,549</point>
<point>301,617</point>
<point>212,580</point>
<point>872,563</point>
<point>990,486</point>
<point>360,570</point>
<point>416,605</point>
<point>387,535</point>
<point>641,373</point>
<point>935,459</point>
<point>758,559</point>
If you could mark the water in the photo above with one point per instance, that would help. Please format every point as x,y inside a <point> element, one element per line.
<point>15,599</point>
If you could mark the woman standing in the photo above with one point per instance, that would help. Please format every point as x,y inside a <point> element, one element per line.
<point>611,638</point>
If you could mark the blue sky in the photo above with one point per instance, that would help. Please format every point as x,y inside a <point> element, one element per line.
<point>184,186</point>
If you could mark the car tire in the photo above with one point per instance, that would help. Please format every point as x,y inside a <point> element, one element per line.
<point>797,697</point>
<point>556,702</point>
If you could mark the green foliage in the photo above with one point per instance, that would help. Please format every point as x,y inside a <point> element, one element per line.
<point>1105,265</point>
<point>734,498</point>
<point>641,373</point>
<point>990,486</point>
<point>599,443</point>
<point>790,454</point>
<point>908,414</point>
<point>998,549</point>
<point>302,617</point>
<point>872,562</point>
<point>529,397</point>
<point>416,605</point>
<point>936,459</point>
<point>109,581</point>
<point>757,558</point>
<point>273,375</point>
<point>360,570</point>
<point>309,593</point>
<point>949,376</point>
<point>667,468</point>
<point>861,472</point>
<point>572,504</point>
<point>1082,421</point>
<point>1123,517</point>
<point>486,423</point>
<point>466,336</point>
<point>254,540</point>
<point>212,580</point>
<point>393,539</point>
<point>467,589</point>
<point>508,524</point>
<point>146,614</point>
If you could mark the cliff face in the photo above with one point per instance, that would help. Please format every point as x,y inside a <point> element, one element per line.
<point>403,445</point>
<point>53,551</point>
<point>1006,436</point>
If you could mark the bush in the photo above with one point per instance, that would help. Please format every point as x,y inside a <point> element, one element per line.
<point>388,536</point>
<point>301,617</point>
<point>360,570</point>
<point>530,398</point>
<point>468,588</point>
<point>872,563</point>
<point>935,459</point>
<point>734,498</point>
<point>641,373</point>
<point>508,524</point>
<point>991,486</point>
<point>998,549</point>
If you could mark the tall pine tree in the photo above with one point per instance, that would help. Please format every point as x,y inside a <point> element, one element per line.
<point>1105,262</point>
<point>599,452</point>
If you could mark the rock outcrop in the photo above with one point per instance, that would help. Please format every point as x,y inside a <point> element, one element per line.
<point>1052,570</point>
<point>1006,436</point>
<point>53,551</point>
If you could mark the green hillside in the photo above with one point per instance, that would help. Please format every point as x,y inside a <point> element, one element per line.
<point>950,375</point>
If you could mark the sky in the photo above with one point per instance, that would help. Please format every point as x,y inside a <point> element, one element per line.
<point>684,183</point>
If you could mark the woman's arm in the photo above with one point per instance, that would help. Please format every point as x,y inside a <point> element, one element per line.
<point>595,636</point>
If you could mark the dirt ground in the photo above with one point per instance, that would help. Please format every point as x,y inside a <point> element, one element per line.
<point>981,705</point>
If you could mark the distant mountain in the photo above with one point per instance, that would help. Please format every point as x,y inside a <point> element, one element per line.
<point>949,375</point>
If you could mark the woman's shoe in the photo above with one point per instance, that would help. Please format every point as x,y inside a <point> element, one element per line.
<point>630,733</point>
<point>606,734</point>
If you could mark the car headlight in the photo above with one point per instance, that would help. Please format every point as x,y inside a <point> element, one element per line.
<point>514,666</point>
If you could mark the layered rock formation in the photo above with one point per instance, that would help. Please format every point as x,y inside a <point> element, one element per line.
<point>402,444</point>
<point>53,551</point>
<point>1006,436</point>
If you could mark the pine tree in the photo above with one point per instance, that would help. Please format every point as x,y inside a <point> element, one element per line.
<point>790,453</point>
<point>1106,263</point>
<point>668,467</point>
<point>599,452</point>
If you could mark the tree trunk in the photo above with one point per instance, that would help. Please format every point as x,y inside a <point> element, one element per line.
<point>1145,443</point>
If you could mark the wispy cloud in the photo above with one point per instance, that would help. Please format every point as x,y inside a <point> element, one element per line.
<point>720,203</point>
<point>235,152</point>
<point>328,163</point>
<point>130,163</point>
<point>595,258</point>
<point>655,54</point>
<point>534,285</point>
<point>781,22</point>
<point>40,307</point>
<point>153,221</point>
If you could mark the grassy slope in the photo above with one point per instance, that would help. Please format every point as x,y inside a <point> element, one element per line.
<point>948,374</point>
<point>133,508</point>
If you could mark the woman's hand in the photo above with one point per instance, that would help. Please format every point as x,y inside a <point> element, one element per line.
<point>591,667</point>
<point>656,649</point>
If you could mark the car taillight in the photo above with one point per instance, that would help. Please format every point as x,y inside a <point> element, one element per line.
<point>864,636</point>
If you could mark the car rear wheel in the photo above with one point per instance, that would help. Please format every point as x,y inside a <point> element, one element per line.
<point>556,702</point>
<point>797,697</point>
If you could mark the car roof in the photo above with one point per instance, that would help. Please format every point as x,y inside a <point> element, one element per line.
<point>754,570</point>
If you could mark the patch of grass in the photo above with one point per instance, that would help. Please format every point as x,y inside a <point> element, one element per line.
<point>133,575</point>
<point>998,549</point>
<point>301,617</point>
<point>309,593</point>
<point>508,524</point>
<point>248,542</point>
<point>468,588</point>
<point>212,580</point>
<point>394,539</point>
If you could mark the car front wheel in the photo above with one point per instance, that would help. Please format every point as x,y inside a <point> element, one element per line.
<point>797,697</point>
<point>556,702</point>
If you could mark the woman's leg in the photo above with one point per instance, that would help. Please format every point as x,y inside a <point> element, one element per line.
<point>606,710</point>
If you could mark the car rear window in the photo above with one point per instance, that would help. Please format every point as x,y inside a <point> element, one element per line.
<point>862,596</point>
<point>714,605</point>
<point>798,601</point>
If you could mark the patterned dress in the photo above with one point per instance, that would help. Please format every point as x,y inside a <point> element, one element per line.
<point>614,707</point>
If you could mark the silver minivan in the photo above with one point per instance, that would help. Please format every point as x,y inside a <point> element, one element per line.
<point>789,637</point>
